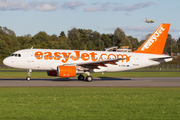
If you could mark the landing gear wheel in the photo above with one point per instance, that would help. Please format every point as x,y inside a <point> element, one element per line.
<point>89,78</point>
<point>29,74</point>
<point>81,77</point>
<point>28,78</point>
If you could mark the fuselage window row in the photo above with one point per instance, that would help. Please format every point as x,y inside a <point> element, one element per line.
<point>71,57</point>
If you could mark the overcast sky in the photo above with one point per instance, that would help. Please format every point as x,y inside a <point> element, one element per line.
<point>53,16</point>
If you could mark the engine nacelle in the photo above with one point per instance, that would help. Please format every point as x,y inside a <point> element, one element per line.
<point>66,71</point>
<point>52,73</point>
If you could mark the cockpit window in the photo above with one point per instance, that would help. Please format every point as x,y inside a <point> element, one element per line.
<point>16,55</point>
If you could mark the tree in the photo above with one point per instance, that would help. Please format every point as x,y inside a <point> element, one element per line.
<point>171,45</point>
<point>120,38</point>
<point>41,40</point>
<point>28,36</point>
<point>63,44</point>
<point>24,42</point>
<point>4,50</point>
<point>106,39</point>
<point>96,39</point>
<point>7,31</point>
<point>83,36</point>
<point>134,42</point>
<point>141,43</point>
<point>178,44</point>
<point>74,39</point>
<point>54,38</point>
<point>62,34</point>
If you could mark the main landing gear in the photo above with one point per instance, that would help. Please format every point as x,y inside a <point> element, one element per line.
<point>29,74</point>
<point>81,77</point>
<point>88,78</point>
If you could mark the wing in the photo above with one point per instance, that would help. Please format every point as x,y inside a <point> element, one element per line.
<point>95,64</point>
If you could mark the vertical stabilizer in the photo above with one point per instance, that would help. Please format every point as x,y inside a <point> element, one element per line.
<point>156,42</point>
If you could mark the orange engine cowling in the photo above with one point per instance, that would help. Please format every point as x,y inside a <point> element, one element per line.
<point>66,71</point>
<point>52,73</point>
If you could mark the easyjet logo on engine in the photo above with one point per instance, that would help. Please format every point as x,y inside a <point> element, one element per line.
<point>65,56</point>
<point>153,38</point>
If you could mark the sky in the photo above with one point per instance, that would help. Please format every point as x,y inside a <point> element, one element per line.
<point>104,16</point>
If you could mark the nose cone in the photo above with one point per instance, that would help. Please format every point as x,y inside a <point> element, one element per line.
<point>6,61</point>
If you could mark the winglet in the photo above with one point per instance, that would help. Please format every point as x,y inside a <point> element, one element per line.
<point>156,42</point>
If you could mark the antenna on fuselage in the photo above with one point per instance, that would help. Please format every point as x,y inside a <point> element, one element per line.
<point>32,47</point>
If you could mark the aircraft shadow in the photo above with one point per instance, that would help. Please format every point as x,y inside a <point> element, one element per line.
<point>67,79</point>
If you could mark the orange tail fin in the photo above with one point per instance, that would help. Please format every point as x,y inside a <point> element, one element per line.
<point>156,42</point>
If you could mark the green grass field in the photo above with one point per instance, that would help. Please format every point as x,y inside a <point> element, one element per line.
<point>91,103</point>
<point>113,74</point>
<point>65,103</point>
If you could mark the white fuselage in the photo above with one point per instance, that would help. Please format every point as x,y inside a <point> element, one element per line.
<point>49,59</point>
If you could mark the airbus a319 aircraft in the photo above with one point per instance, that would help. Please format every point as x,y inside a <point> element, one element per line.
<point>69,63</point>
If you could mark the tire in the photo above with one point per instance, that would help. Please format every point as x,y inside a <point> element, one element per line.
<point>81,77</point>
<point>89,78</point>
<point>28,78</point>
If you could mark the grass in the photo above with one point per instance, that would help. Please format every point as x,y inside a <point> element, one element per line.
<point>138,74</point>
<point>65,103</point>
<point>113,74</point>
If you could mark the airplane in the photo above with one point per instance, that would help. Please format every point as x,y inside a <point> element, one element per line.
<point>69,63</point>
<point>149,21</point>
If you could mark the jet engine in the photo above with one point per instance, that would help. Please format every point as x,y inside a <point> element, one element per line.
<point>52,73</point>
<point>66,71</point>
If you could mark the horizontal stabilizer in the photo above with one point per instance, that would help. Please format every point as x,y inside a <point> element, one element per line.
<point>158,59</point>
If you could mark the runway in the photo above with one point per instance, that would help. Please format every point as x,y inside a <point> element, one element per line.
<point>97,82</point>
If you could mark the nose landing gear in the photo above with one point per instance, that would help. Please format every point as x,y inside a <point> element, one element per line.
<point>29,74</point>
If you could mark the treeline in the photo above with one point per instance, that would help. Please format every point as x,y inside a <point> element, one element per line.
<point>78,39</point>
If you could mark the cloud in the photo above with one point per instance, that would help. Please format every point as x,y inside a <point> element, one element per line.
<point>96,3</point>
<point>21,5</point>
<point>101,7</point>
<point>72,5</point>
<point>45,7</point>
<point>116,6</point>
<point>11,5</point>
<point>92,9</point>
<point>133,7</point>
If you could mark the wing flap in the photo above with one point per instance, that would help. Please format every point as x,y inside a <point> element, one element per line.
<point>95,64</point>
